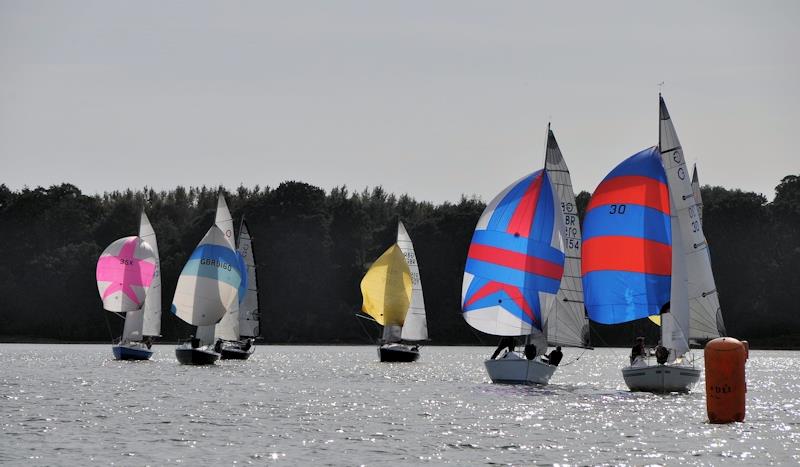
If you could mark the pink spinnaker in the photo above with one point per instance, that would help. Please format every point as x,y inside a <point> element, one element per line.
<point>125,271</point>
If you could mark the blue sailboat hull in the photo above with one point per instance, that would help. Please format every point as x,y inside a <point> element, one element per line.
<point>122,352</point>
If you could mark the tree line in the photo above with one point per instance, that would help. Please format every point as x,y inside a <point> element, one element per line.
<point>312,247</point>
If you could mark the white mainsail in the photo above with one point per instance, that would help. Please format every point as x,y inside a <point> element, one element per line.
<point>415,327</point>
<point>151,311</point>
<point>698,198</point>
<point>702,292</point>
<point>565,322</point>
<point>675,324</point>
<point>132,330</point>
<point>209,283</point>
<point>228,328</point>
<point>248,309</point>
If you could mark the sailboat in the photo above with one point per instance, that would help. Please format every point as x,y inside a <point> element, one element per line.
<point>645,254</point>
<point>225,334</point>
<point>142,325</point>
<point>249,328</point>
<point>127,277</point>
<point>208,290</point>
<point>392,292</point>
<point>522,276</point>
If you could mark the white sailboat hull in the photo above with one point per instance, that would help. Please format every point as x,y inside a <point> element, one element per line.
<point>660,378</point>
<point>519,371</point>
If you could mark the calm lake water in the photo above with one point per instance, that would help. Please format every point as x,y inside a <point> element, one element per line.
<point>326,405</point>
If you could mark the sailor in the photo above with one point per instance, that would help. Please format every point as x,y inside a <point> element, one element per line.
<point>638,349</point>
<point>555,356</point>
<point>195,342</point>
<point>505,342</point>
<point>530,351</point>
<point>662,354</point>
<point>218,346</point>
<point>148,341</point>
<point>247,344</point>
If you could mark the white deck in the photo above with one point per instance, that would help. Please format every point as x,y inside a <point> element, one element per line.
<point>660,378</point>
<point>515,369</point>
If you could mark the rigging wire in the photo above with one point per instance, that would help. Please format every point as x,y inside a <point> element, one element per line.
<point>575,361</point>
<point>108,325</point>
<point>363,328</point>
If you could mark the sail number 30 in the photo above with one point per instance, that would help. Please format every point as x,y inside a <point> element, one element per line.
<point>616,209</point>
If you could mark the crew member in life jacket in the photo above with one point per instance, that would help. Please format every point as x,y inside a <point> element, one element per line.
<point>638,350</point>
<point>505,342</point>
<point>662,354</point>
<point>530,351</point>
<point>554,357</point>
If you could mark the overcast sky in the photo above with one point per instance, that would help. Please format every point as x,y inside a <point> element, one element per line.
<point>430,98</point>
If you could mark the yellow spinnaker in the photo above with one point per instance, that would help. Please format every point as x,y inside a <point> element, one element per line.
<point>386,288</point>
<point>656,319</point>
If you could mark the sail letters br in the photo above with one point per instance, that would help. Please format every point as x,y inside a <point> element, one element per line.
<point>217,263</point>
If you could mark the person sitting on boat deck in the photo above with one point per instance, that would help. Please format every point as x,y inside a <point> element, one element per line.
<point>218,346</point>
<point>505,342</point>
<point>247,344</point>
<point>148,341</point>
<point>662,354</point>
<point>638,350</point>
<point>554,357</point>
<point>530,351</point>
<point>195,342</point>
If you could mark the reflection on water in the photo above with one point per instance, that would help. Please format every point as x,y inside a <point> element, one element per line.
<point>71,404</point>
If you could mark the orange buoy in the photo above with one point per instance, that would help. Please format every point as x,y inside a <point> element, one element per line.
<point>725,380</point>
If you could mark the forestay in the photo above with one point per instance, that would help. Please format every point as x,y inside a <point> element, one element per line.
<point>124,274</point>
<point>209,283</point>
<point>566,323</point>
<point>415,327</point>
<point>702,292</point>
<point>516,259</point>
